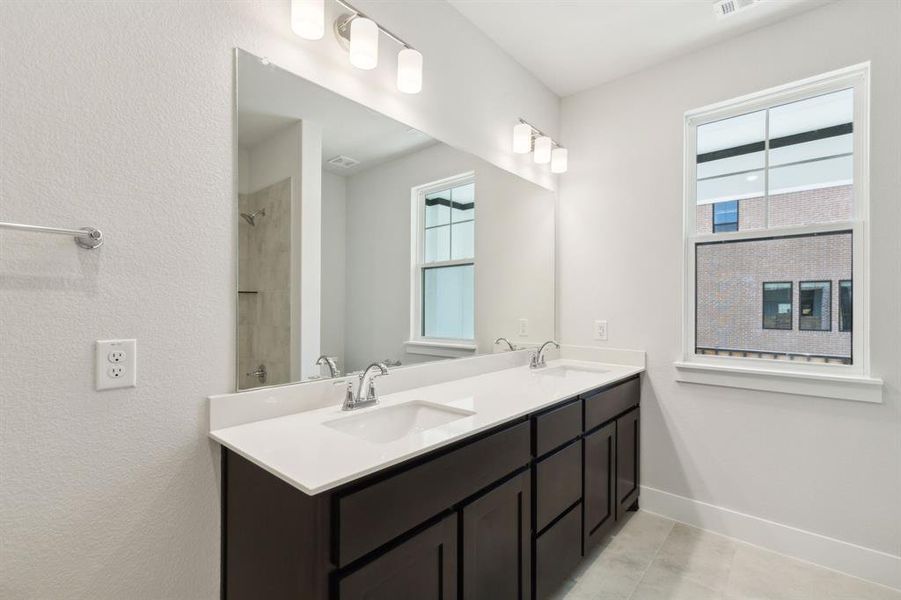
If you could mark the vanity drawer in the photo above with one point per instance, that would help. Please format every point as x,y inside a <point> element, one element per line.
<point>558,483</point>
<point>557,426</point>
<point>375,514</point>
<point>603,406</point>
<point>557,552</point>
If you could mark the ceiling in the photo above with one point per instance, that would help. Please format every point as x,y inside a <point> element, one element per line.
<point>574,45</point>
<point>270,98</point>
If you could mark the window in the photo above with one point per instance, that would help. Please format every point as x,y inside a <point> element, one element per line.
<point>725,216</point>
<point>444,261</point>
<point>845,300</point>
<point>791,162</point>
<point>815,306</point>
<point>777,305</point>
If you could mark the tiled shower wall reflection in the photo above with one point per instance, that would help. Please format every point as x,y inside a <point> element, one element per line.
<point>264,284</point>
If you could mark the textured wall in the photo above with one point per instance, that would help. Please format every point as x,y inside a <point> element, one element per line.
<point>825,466</point>
<point>119,115</point>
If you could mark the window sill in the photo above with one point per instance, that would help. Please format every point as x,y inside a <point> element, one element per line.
<point>447,349</point>
<point>823,385</point>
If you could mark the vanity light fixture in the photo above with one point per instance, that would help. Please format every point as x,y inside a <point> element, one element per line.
<point>542,152</point>
<point>558,160</point>
<point>364,43</point>
<point>308,18</point>
<point>522,138</point>
<point>527,137</point>
<point>359,35</point>
<point>409,71</point>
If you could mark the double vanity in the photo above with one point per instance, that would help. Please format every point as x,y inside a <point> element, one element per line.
<point>493,485</point>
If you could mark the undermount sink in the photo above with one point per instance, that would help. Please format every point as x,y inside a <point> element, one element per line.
<point>383,425</point>
<point>566,371</point>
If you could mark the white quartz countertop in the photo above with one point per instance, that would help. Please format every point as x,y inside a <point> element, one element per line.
<point>314,457</point>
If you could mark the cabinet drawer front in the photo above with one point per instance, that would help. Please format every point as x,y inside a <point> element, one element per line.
<point>376,514</point>
<point>558,426</point>
<point>557,553</point>
<point>423,567</point>
<point>558,483</point>
<point>601,407</point>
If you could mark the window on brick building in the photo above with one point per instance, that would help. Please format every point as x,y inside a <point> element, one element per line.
<point>815,306</point>
<point>789,161</point>
<point>725,216</point>
<point>777,305</point>
<point>845,312</point>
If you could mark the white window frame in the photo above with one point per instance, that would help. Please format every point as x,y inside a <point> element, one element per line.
<point>851,382</point>
<point>417,343</point>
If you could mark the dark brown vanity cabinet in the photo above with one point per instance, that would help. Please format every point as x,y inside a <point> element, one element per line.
<point>423,567</point>
<point>504,514</point>
<point>600,484</point>
<point>626,461</point>
<point>496,542</point>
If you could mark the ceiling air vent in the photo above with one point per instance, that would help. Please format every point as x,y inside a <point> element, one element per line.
<point>344,162</point>
<point>727,8</point>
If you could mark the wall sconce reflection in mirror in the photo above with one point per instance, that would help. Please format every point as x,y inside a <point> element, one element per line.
<point>528,138</point>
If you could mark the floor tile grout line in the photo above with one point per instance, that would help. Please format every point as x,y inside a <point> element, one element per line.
<point>651,562</point>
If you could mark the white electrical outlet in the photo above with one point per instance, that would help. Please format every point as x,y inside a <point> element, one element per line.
<point>600,330</point>
<point>116,364</point>
<point>523,328</point>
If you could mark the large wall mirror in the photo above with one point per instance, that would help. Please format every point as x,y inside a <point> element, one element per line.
<point>361,239</point>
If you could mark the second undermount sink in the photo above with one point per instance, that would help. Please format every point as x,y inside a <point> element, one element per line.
<point>390,423</point>
<point>567,371</point>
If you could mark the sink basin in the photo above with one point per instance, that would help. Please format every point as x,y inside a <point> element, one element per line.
<point>383,425</point>
<point>566,371</point>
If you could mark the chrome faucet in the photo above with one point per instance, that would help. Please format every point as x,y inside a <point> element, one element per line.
<point>506,341</point>
<point>537,359</point>
<point>365,394</point>
<point>330,363</point>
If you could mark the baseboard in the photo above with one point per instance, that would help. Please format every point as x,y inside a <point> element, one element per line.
<point>865,563</point>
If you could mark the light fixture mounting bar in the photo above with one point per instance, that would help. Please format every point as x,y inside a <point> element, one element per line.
<point>358,13</point>
<point>538,133</point>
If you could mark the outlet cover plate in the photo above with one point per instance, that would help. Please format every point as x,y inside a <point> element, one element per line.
<point>600,330</point>
<point>115,364</point>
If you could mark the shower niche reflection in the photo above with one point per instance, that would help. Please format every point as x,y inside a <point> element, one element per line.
<point>361,239</point>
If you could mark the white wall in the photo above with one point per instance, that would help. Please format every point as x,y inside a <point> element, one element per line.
<point>514,243</point>
<point>119,115</point>
<point>334,240</point>
<point>824,466</point>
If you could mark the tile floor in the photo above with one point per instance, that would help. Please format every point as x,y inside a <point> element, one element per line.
<point>653,558</point>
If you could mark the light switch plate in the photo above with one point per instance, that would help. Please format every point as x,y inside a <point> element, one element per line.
<point>523,327</point>
<point>600,330</point>
<point>115,364</point>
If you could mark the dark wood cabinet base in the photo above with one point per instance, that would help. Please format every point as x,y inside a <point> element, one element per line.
<point>505,514</point>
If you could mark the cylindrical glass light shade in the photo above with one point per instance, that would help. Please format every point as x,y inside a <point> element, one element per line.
<point>364,43</point>
<point>558,160</point>
<point>522,138</point>
<point>308,18</point>
<point>542,150</point>
<point>409,71</point>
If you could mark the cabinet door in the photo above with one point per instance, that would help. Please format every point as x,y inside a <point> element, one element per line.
<point>600,484</point>
<point>627,481</point>
<point>496,556</point>
<point>423,567</point>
